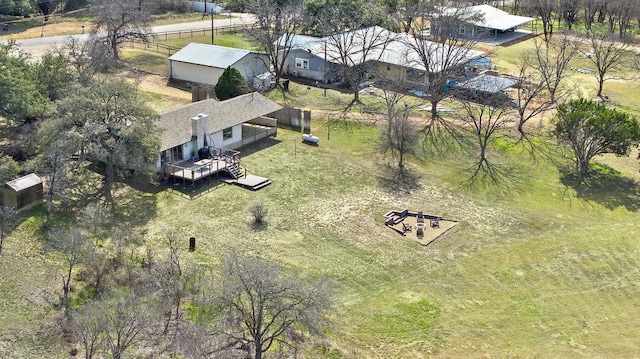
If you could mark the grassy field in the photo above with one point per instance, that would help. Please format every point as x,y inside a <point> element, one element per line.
<point>238,39</point>
<point>538,267</point>
<point>542,270</point>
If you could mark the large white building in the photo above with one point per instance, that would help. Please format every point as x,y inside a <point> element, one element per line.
<point>201,63</point>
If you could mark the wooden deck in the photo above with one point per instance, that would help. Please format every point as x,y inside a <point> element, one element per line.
<point>194,171</point>
<point>251,182</point>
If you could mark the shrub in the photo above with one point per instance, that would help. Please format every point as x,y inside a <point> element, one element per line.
<point>259,212</point>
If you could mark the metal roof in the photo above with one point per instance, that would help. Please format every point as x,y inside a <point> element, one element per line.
<point>298,41</point>
<point>210,55</point>
<point>24,182</point>
<point>488,83</point>
<point>176,124</point>
<point>391,48</point>
<point>490,17</point>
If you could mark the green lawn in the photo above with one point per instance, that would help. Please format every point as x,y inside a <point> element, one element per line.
<point>538,267</point>
<point>540,270</point>
<point>232,38</point>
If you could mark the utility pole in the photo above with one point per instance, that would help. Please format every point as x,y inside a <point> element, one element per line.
<point>213,10</point>
<point>325,70</point>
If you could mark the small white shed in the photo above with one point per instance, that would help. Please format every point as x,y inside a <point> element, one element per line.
<point>202,63</point>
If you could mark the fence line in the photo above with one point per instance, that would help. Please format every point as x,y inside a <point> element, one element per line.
<point>169,50</point>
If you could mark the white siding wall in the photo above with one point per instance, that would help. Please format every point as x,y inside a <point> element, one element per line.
<point>236,137</point>
<point>195,73</point>
<point>252,65</point>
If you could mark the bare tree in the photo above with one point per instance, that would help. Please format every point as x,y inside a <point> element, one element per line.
<point>259,211</point>
<point>88,326</point>
<point>264,306</point>
<point>279,21</point>
<point>590,8</point>
<point>118,21</point>
<point>126,317</point>
<point>569,11</point>
<point>93,217</point>
<point>112,325</point>
<point>442,56</point>
<point>552,60</point>
<point>607,55</point>
<point>79,53</point>
<point>173,282</point>
<point>486,122</point>
<point>531,98</point>
<point>8,218</point>
<point>354,51</point>
<point>540,75</point>
<point>73,245</point>
<point>400,136</point>
<point>350,44</point>
<point>544,9</point>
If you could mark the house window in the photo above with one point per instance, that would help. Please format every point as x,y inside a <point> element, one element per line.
<point>302,63</point>
<point>227,133</point>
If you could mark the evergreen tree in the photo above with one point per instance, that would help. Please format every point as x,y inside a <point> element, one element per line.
<point>231,84</point>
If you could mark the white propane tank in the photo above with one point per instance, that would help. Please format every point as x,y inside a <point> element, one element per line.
<point>310,138</point>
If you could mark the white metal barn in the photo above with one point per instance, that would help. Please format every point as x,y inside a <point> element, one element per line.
<point>201,63</point>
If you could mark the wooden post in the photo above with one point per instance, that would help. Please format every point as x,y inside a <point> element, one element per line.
<point>328,127</point>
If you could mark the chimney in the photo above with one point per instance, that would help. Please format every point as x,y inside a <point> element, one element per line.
<point>199,127</point>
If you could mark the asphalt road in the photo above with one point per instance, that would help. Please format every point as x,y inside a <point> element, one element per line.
<point>40,45</point>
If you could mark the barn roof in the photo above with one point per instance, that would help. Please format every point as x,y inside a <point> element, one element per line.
<point>176,124</point>
<point>24,182</point>
<point>210,55</point>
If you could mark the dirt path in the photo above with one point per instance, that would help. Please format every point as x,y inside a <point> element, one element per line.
<point>162,96</point>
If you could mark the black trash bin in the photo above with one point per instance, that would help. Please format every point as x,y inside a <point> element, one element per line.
<point>285,85</point>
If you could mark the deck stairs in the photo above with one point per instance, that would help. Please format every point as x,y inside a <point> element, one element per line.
<point>241,179</point>
<point>234,171</point>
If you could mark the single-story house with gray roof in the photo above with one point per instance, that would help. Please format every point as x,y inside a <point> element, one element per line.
<point>202,63</point>
<point>319,58</point>
<point>227,124</point>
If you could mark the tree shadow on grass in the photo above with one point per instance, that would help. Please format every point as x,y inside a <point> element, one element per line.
<point>396,181</point>
<point>605,186</point>
<point>502,179</point>
<point>134,207</point>
<point>259,226</point>
<point>189,190</point>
